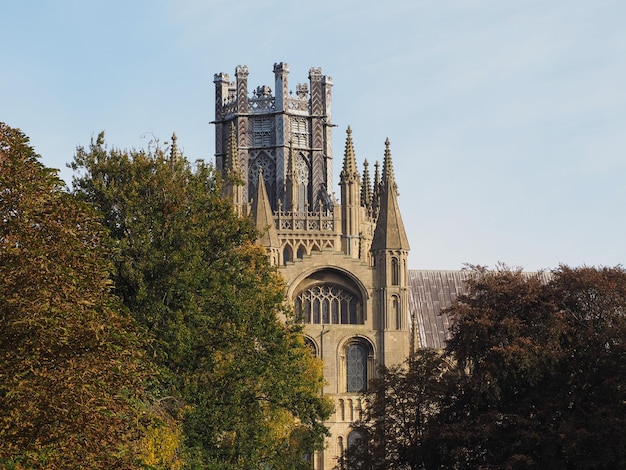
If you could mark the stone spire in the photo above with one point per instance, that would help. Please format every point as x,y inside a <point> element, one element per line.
<point>264,221</point>
<point>376,190</point>
<point>174,153</point>
<point>388,168</point>
<point>350,201</point>
<point>233,181</point>
<point>231,163</point>
<point>366,189</point>
<point>349,172</point>
<point>389,233</point>
<point>291,183</point>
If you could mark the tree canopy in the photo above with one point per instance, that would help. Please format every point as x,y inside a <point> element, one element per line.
<point>71,369</point>
<point>246,386</point>
<point>536,376</point>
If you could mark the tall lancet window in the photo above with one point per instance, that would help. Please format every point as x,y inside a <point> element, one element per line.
<point>395,272</point>
<point>302,181</point>
<point>396,313</point>
<point>356,368</point>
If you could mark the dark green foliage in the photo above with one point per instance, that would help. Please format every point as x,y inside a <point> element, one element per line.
<point>189,271</point>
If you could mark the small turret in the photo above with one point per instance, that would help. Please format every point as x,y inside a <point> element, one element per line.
<point>390,249</point>
<point>350,200</point>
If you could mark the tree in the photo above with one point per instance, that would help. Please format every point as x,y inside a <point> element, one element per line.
<point>71,369</point>
<point>401,403</point>
<point>533,377</point>
<point>543,371</point>
<point>191,275</point>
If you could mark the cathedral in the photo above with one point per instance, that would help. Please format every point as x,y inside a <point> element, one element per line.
<point>344,262</point>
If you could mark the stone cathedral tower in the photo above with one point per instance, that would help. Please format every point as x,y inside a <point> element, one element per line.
<point>345,262</point>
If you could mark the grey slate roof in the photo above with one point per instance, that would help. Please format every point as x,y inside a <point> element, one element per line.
<point>430,292</point>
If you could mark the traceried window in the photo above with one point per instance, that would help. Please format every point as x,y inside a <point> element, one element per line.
<point>264,162</point>
<point>328,304</point>
<point>356,368</point>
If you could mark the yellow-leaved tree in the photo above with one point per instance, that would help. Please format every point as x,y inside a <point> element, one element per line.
<point>72,372</point>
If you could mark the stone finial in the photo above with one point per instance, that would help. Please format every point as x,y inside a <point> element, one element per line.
<point>388,178</point>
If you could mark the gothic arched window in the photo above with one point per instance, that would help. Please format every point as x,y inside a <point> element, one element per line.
<point>356,367</point>
<point>357,449</point>
<point>265,162</point>
<point>396,312</point>
<point>287,255</point>
<point>329,304</point>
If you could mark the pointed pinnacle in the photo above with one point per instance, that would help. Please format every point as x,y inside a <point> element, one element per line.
<point>349,162</point>
<point>388,176</point>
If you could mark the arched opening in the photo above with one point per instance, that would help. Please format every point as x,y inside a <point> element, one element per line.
<point>330,304</point>
<point>356,451</point>
<point>356,367</point>
<point>264,161</point>
<point>396,313</point>
<point>395,272</point>
<point>287,255</point>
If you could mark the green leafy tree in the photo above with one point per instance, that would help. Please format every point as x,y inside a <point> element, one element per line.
<point>188,269</point>
<point>544,376</point>
<point>71,368</point>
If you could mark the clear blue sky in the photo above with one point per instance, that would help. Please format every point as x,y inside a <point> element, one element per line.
<point>507,119</point>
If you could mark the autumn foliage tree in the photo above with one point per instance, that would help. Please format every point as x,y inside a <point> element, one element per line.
<point>401,402</point>
<point>535,377</point>
<point>244,382</point>
<point>546,377</point>
<point>71,371</point>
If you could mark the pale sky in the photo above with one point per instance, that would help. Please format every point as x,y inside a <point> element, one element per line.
<point>507,119</point>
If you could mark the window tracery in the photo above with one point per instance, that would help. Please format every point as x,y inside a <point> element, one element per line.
<point>356,368</point>
<point>328,304</point>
